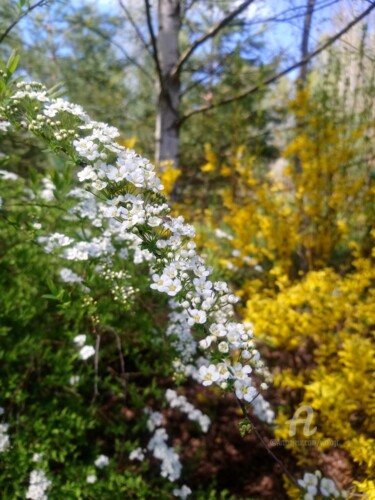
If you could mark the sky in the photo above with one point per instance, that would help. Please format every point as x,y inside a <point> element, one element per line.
<point>285,36</point>
<point>280,38</point>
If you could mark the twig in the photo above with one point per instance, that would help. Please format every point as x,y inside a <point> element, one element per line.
<point>96,379</point>
<point>209,34</point>
<point>264,444</point>
<point>154,44</point>
<point>16,21</point>
<point>122,364</point>
<point>108,39</point>
<point>135,27</point>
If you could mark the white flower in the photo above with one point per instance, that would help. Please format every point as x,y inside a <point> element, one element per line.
<point>91,479</point>
<point>173,287</point>
<point>208,375</point>
<point>245,354</point>
<point>88,173</point>
<point>218,330</point>
<point>241,372</point>
<point>8,176</point>
<point>99,185</point>
<point>68,276</point>
<point>87,148</point>
<point>38,485</point>
<point>308,496</point>
<point>137,454</point>
<point>244,390</point>
<point>101,461</point>
<point>4,438</point>
<point>309,483</point>
<point>328,488</point>
<point>80,340</point>
<point>37,457</point>
<point>206,342</point>
<point>4,125</point>
<point>154,420</point>
<point>182,492</point>
<point>223,347</point>
<point>222,234</point>
<point>74,379</point>
<point>86,352</point>
<point>197,316</point>
<point>223,370</point>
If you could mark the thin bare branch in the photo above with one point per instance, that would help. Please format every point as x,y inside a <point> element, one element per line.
<point>154,44</point>
<point>209,34</point>
<point>96,365</point>
<point>293,13</point>
<point>146,45</point>
<point>199,81</point>
<point>274,78</point>
<point>264,444</point>
<point>122,363</point>
<point>41,3</point>
<point>107,38</point>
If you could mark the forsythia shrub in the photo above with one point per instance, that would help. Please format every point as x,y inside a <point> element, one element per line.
<point>299,247</point>
<point>333,318</point>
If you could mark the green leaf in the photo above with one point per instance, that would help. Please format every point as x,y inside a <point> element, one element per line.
<point>12,62</point>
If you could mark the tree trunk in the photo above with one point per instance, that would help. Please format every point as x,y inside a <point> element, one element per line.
<point>167,116</point>
<point>305,42</point>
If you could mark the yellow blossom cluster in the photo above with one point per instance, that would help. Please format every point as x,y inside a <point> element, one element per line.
<point>326,323</point>
<point>300,245</point>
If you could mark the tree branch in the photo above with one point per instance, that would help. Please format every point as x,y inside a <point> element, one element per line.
<point>154,44</point>
<point>209,34</point>
<point>16,21</point>
<point>135,27</point>
<point>264,444</point>
<point>279,75</point>
<point>107,38</point>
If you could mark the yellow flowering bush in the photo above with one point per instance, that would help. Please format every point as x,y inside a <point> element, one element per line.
<point>331,318</point>
<point>298,239</point>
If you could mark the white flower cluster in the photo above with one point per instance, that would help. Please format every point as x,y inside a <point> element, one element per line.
<point>8,176</point>
<point>68,276</point>
<point>170,467</point>
<point>315,485</point>
<point>101,461</point>
<point>38,485</point>
<point>4,438</point>
<point>182,492</point>
<point>137,454</point>
<point>132,206</point>
<point>181,403</point>
<point>4,126</point>
<point>54,241</point>
<point>85,351</point>
<point>47,193</point>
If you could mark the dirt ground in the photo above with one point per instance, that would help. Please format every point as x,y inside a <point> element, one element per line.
<point>241,465</point>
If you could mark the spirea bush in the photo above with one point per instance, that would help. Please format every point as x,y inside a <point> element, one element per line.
<point>106,308</point>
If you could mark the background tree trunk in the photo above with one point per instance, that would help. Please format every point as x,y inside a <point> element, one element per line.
<point>167,116</point>
<point>305,42</point>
